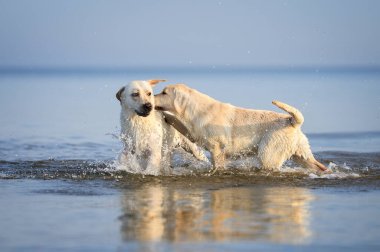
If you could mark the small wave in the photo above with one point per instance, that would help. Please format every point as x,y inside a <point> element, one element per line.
<point>52,169</point>
<point>337,172</point>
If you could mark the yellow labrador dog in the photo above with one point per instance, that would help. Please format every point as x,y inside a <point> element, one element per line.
<point>226,130</point>
<point>147,137</point>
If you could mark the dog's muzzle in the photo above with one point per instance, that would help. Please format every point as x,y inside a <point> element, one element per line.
<point>145,109</point>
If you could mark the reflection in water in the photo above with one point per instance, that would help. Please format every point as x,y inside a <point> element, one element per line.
<point>277,214</point>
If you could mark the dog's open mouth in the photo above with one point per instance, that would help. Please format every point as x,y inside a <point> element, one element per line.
<point>159,108</point>
<point>144,114</point>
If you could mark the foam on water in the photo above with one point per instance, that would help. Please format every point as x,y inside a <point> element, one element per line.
<point>336,172</point>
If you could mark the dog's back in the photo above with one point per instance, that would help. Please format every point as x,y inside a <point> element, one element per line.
<point>224,129</point>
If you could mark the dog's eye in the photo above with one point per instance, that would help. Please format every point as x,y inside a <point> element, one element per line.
<point>135,94</point>
<point>149,94</point>
<point>163,92</point>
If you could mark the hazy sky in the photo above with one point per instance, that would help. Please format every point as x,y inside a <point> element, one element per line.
<point>182,33</point>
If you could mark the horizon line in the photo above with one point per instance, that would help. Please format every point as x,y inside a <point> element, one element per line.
<point>188,69</point>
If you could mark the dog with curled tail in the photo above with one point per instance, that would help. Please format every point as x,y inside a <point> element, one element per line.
<point>147,138</point>
<point>226,130</point>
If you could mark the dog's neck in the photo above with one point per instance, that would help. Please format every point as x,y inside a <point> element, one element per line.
<point>203,111</point>
<point>189,111</point>
<point>197,103</point>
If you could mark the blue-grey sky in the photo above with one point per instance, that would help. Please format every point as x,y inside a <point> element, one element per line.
<point>49,33</point>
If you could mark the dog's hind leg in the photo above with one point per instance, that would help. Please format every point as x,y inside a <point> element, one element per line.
<point>310,162</point>
<point>271,159</point>
<point>304,157</point>
<point>272,151</point>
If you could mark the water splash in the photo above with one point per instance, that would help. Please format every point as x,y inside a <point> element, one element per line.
<point>183,164</point>
<point>357,165</point>
<point>139,163</point>
<point>338,172</point>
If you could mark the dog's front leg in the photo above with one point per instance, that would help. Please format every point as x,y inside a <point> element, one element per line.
<point>218,159</point>
<point>123,157</point>
<point>192,148</point>
<point>153,166</point>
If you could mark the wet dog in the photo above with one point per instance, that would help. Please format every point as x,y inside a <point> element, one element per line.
<point>144,132</point>
<point>226,130</point>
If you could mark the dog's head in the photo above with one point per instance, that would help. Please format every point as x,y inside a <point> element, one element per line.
<point>173,98</point>
<point>138,96</point>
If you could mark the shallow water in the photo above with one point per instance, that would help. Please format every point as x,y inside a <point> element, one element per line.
<point>160,214</point>
<point>61,189</point>
<point>87,204</point>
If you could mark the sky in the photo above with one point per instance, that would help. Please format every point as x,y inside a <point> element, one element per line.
<point>54,34</point>
<point>159,36</point>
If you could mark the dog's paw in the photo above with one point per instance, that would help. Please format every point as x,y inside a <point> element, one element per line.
<point>212,171</point>
<point>328,171</point>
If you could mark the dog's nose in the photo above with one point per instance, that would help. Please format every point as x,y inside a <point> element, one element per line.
<point>148,106</point>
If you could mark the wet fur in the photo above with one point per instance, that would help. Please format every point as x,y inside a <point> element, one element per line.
<point>148,136</point>
<point>226,130</point>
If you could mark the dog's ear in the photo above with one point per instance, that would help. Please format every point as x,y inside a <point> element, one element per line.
<point>178,101</point>
<point>154,82</point>
<point>118,94</point>
<point>177,106</point>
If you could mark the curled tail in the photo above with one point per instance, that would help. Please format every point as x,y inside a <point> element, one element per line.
<point>297,117</point>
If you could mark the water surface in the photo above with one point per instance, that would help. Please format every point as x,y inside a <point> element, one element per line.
<point>61,190</point>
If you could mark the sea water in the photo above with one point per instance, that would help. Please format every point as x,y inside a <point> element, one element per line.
<point>61,190</point>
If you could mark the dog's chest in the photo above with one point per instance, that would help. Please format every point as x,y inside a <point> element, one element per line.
<point>141,133</point>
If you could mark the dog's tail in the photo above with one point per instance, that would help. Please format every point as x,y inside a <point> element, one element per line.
<point>297,117</point>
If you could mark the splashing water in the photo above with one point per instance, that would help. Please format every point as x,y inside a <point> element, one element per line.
<point>86,160</point>
<point>183,164</point>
